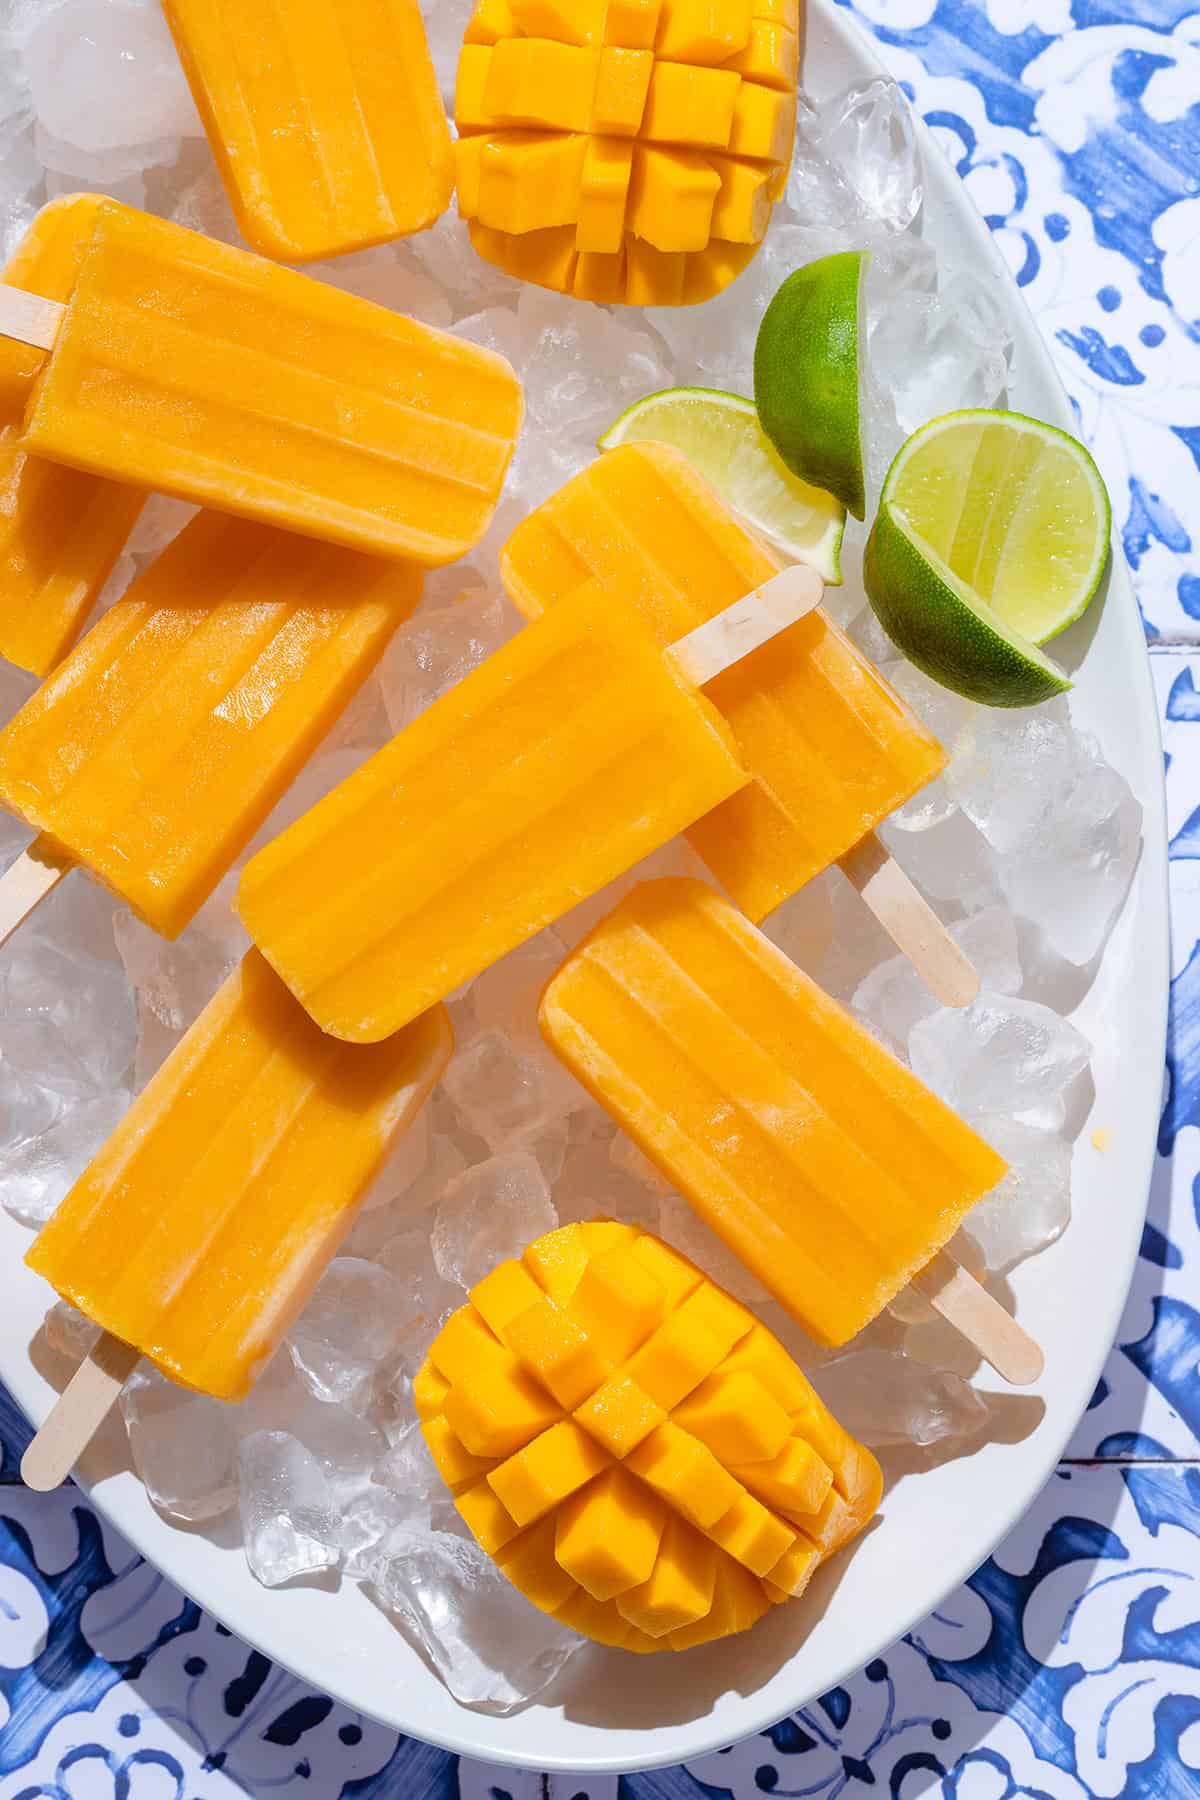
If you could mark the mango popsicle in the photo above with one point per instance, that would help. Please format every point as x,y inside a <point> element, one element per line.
<point>572,753</point>
<point>183,365</point>
<point>61,531</point>
<point>640,1456</point>
<point>326,121</point>
<point>819,1159</point>
<point>154,753</point>
<point>200,1229</point>
<point>833,749</point>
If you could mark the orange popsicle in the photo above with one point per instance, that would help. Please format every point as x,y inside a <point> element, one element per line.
<point>834,750</point>
<point>819,1159</point>
<point>61,531</point>
<point>184,365</point>
<point>325,120</point>
<point>199,1231</point>
<point>567,757</point>
<point>156,751</point>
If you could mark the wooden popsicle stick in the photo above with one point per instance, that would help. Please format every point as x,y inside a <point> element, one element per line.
<point>26,883</point>
<point>968,1306</point>
<point>746,625</point>
<point>911,922</point>
<point>78,1414</point>
<point>30,319</point>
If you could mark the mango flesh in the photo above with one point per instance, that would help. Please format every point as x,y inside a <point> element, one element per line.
<point>640,1456</point>
<point>625,150</point>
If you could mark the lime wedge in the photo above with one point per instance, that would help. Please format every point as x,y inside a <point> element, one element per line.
<point>721,436</point>
<point>806,375</point>
<point>1017,510</point>
<point>992,536</point>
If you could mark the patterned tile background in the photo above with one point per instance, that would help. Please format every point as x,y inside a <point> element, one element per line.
<point>1069,1666</point>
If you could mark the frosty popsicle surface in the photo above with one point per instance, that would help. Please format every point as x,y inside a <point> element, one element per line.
<point>199,1231</point>
<point>569,755</point>
<point>834,750</point>
<point>326,121</point>
<point>154,753</point>
<point>821,1161</point>
<point>61,531</point>
<point>185,365</point>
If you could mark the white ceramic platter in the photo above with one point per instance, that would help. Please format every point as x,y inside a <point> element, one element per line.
<point>936,1527</point>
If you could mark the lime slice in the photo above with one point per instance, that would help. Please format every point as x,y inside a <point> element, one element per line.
<point>1015,509</point>
<point>806,378</point>
<point>720,435</point>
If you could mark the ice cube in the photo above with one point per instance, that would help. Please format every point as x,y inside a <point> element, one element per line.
<point>68,1017</point>
<point>104,74</point>
<point>174,981</point>
<point>437,647</point>
<point>446,24</point>
<point>624,1155</point>
<point>684,1229</point>
<point>885,1397</point>
<point>36,1170</point>
<point>447,254</point>
<point>425,1299</point>
<point>290,1522</point>
<point>950,860</point>
<point>350,1325</point>
<point>409,1470</point>
<point>70,1333</point>
<point>868,136</point>
<point>942,713</point>
<point>895,998</point>
<point>1008,771</point>
<point>494,1651</point>
<point>582,366</point>
<point>184,1447</point>
<point>938,352</point>
<point>998,1055</point>
<point>804,926</point>
<point>161,521</point>
<point>1032,1205</point>
<point>498,1092</point>
<point>595,1186</point>
<point>491,1212</point>
<point>369,1519</point>
<point>506,996</point>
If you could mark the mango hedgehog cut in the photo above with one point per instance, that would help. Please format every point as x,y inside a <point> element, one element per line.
<point>638,1453</point>
<point>625,150</point>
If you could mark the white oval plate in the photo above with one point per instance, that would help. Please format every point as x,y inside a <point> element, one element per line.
<point>627,1713</point>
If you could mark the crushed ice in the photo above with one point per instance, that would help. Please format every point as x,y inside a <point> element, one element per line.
<point>324,1463</point>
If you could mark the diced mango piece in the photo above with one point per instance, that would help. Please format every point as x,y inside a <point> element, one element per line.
<point>542,1475</point>
<point>736,1418</point>
<point>490,1523</point>
<point>532,81</point>
<point>609,1533</point>
<point>558,1351</point>
<point>795,1483</point>
<point>679,1467</point>
<point>679,1590</point>
<point>622,84</point>
<point>673,79</point>
<point>503,1295</point>
<point>686,1493</point>
<point>632,23</point>
<point>498,1409</point>
<point>705,31</point>
<point>753,1536</point>
<point>620,1415</point>
<point>618,1303</point>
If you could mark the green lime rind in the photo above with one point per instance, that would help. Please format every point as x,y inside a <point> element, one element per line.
<point>1016,508</point>
<point>721,436</point>
<point>806,375</point>
<point>947,630</point>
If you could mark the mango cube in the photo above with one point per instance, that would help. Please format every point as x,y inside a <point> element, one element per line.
<point>626,150</point>
<point>639,1455</point>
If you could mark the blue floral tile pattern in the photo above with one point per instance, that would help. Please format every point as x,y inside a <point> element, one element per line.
<point>1068,1667</point>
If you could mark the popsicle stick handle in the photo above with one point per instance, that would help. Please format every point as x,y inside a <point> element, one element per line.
<point>25,884</point>
<point>78,1414</point>
<point>911,922</point>
<point>30,319</point>
<point>754,620</point>
<point>960,1299</point>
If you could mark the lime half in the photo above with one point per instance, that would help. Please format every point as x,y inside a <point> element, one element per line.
<point>721,436</point>
<point>806,375</point>
<point>992,536</point>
